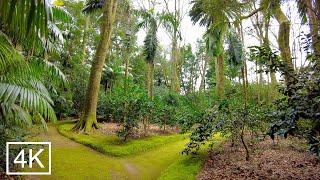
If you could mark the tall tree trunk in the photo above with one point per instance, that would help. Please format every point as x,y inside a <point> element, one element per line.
<point>175,52</point>
<point>220,75</point>
<point>175,86</point>
<point>203,73</point>
<point>150,79</point>
<point>127,50</point>
<point>85,39</point>
<point>283,39</point>
<point>266,43</point>
<point>89,118</point>
<point>314,25</point>
<point>150,76</point>
<point>245,69</point>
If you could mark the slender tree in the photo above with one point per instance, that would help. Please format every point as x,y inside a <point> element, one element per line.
<point>151,21</point>
<point>174,20</point>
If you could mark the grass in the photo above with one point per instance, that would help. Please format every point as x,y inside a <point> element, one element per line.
<point>111,145</point>
<point>187,167</point>
<point>74,161</point>
<point>71,160</point>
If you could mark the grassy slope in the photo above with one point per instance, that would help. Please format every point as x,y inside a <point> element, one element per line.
<point>71,160</point>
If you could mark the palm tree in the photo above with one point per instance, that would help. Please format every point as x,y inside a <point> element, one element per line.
<point>89,117</point>
<point>216,15</point>
<point>27,26</point>
<point>151,21</point>
<point>172,25</point>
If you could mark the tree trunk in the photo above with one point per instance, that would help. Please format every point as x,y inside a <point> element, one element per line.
<point>220,75</point>
<point>89,118</point>
<point>314,26</point>
<point>150,79</point>
<point>85,39</point>
<point>175,81</point>
<point>174,58</point>
<point>203,74</point>
<point>150,76</point>
<point>283,40</point>
<point>244,145</point>
<point>245,69</point>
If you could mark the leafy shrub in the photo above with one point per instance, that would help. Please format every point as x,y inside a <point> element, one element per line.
<point>301,104</point>
<point>229,117</point>
<point>9,134</point>
<point>125,106</point>
<point>78,85</point>
<point>166,106</point>
<point>300,100</point>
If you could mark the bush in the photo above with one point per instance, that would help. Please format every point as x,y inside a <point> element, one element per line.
<point>297,112</point>
<point>78,85</point>
<point>9,134</point>
<point>229,117</point>
<point>166,106</point>
<point>125,106</point>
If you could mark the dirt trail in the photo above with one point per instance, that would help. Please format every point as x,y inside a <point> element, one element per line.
<point>71,160</point>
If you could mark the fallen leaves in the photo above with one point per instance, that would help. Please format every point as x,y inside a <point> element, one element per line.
<point>268,161</point>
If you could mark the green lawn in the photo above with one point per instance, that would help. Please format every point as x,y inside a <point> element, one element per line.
<point>71,160</point>
<point>111,145</point>
<point>187,167</point>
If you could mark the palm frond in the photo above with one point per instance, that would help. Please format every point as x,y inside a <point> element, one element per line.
<point>302,9</point>
<point>150,45</point>
<point>55,71</point>
<point>235,49</point>
<point>27,98</point>
<point>61,14</point>
<point>55,31</point>
<point>10,59</point>
<point>93,5</point>
<point>170,22</point>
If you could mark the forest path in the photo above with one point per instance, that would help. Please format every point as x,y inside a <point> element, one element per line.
<point>71,160</point>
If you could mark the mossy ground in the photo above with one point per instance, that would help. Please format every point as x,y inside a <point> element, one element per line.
<point>112,145</point>
<point>187,167</point>
<point>71,160</point>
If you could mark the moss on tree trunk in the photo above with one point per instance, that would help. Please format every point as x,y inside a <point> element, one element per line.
<point>220,75</point>
<point>89,119</point>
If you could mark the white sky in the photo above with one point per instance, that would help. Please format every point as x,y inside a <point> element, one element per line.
<point>190,33</point>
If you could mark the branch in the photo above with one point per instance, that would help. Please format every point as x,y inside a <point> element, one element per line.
<point>251,14</point>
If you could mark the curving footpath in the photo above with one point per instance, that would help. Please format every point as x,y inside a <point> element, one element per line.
<point>71,160</point>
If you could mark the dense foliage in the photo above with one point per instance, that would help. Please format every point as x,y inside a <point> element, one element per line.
<point>83,60</point>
